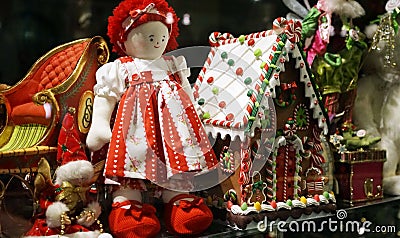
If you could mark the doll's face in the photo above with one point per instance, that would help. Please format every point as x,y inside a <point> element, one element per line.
<point>147,41</point>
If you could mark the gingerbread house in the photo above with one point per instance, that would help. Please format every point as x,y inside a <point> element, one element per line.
<point>258,100</point>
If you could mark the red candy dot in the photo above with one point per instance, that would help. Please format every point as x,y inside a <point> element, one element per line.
<point>273,204</point>
<point>251,42</point>
<point>230,117</point>
<point>229,204</point>
<point>239,71</point>
<point>316,197</point>
<point>210,80</point>
<point>222,104</point>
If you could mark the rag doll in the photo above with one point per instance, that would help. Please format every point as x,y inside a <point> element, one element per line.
<point>65,209</point>
<point>157,135</point>
<point>377,104</point>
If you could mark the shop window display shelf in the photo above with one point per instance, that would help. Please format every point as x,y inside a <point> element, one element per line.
<point>17,209</point>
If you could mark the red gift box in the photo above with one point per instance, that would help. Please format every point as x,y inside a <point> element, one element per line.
<point>359,175</point>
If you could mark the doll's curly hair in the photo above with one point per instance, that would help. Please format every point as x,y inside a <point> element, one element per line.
<point>115,29</point>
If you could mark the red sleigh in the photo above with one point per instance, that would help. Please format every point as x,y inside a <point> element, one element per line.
<point>31,111</point>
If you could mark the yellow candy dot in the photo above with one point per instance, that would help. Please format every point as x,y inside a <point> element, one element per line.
<point>257,206</point>
<point>303,200</point>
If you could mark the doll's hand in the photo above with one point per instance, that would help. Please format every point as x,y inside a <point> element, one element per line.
<point>98,136</point>
<point>86,218</point>
<point>65,220</point>
<point>100,131</point>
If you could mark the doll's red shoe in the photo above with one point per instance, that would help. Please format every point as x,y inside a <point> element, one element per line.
<point>187,217</point>
<point>139,221</point>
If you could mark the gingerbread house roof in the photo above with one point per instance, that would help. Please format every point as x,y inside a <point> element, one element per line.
<point>240,76</point>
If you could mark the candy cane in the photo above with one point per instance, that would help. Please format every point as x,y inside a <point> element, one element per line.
<point>279,24</point>
<point>293,30</point>
<point>215,37</point>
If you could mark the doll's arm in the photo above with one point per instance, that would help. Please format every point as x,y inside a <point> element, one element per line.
<point>108,91</point>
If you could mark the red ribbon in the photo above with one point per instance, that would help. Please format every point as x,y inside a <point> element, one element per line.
<point>186,205</point>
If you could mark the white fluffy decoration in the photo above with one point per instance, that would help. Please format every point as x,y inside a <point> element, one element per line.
<point>53,214</point>
<point>76,172</point>
<point>377,110</point>
<point>346,8</point>
<point>370,30</point>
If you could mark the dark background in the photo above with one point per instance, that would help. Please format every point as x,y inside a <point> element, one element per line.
<point>28,29</point>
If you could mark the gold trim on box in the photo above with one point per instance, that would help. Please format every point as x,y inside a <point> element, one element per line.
<point>362,200</point>
<point>85,111</point>
<point>355,157</point>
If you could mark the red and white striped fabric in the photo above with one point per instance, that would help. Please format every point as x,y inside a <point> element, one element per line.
<point>157,132</point>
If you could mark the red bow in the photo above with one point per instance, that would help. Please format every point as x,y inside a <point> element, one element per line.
<point>137,209</point>
<point>287,86</point>
<point>185,204</point>
<point>134,15</point>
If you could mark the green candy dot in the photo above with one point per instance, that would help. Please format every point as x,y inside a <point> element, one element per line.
<point>262,65</point>
<point>266,81</point>
<point>326,194</point>
<point>201,101</point>
<point>247,81</point>
<point>242,38</point>
<point>206,115</point>
<point>257,53</point>
<point>215,90</point>
<point>244,206</point>
<point>249,93</point>
<point>289,202</point>
<point>231,62</point>
<point>224,55</point>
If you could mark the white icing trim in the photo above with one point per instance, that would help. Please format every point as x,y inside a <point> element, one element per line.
<point>237,210</point>
<point>282,205</point>
<point>311,202</point>
<point>298,204</point>
<point>309,91</point>
<point>323,199</point>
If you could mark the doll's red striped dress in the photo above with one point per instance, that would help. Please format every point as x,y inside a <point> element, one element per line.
<point>157,132</point>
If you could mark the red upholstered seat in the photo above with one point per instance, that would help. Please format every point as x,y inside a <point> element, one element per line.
<point>60,66</point>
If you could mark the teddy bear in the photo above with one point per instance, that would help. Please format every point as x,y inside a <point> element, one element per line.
<point>157,135</point>
<point>65,209</point>
<point>377,104</point>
